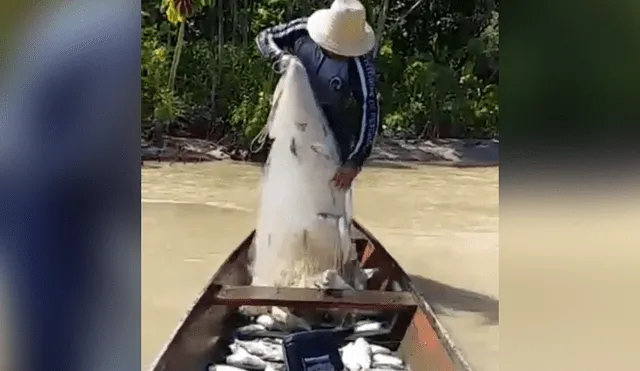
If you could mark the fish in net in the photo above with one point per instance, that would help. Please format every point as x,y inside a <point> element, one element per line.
<point>302,227</point>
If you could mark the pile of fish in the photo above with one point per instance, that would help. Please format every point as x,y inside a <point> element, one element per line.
<point>360,355</point>
<point>260,354</point>
<point>267,353</point>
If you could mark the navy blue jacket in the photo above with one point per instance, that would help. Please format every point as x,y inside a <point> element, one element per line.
<point>354,125</point>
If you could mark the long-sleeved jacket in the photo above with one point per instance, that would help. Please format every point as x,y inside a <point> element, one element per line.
<point>334,83</point>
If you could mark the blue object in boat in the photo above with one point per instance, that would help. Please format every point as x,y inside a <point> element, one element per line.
<point>315,350</point>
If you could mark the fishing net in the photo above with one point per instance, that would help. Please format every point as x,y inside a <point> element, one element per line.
<point>302,228</point>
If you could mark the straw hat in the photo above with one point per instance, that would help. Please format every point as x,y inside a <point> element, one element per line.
<point>342,29</point>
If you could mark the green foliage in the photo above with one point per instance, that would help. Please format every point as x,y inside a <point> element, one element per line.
<point>168,106</point>
<point>155,73</point>
<point>437,64</point>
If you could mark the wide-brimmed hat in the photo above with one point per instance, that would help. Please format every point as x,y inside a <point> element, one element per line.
<point>342,29</point>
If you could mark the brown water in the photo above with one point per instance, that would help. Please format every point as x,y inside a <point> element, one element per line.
<point>441,224</point>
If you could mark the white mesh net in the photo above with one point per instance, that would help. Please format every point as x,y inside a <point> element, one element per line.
<point>302,228</point>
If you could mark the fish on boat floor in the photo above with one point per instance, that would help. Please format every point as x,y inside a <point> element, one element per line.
<point>256,345</point>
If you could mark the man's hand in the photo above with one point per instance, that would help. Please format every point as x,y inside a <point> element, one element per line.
<point>345,175</point>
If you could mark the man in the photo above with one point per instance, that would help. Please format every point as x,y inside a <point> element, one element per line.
<point>334,46</point>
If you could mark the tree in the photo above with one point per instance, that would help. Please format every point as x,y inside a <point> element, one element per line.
<point>437,63</point>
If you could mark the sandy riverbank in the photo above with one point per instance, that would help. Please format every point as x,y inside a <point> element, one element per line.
<point>441,152</point>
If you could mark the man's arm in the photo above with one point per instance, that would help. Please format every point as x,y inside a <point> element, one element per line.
<point>370,112</point>
<point>273,40</point>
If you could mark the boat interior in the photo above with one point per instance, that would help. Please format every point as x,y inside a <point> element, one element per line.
<point>413,330</point>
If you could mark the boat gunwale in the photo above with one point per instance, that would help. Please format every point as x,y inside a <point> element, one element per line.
<point>235,254</point>
<point>454,352</point>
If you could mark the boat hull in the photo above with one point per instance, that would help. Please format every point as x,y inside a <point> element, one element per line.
<point>416,334</point>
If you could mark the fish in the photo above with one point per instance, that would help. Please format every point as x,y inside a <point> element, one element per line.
<point>266,351</point>
<point>387,360</point>
<point>224,368</point>
<point>331,279</point>
<point>267,321</point>
<point>369,272</point>
<point>356,274</point>
<point>320,149</point>
<point>251,329</point>
<point>288,321</point>
<point>302,126</point>
<point>235,348</point>
<point>325,216</point>
<point>275,341</point>
<point>380,367</point>
<point>252,310</point>
<point>346,354</point>
<point>344,230</point>
<point>245,360</point>
<point>364,326</point>
<point>378,349</point>
<point>296,189</point>
<point>272,366</point>
<point>357,355</point>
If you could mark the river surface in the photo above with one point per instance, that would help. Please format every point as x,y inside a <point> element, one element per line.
<point>440,223</point>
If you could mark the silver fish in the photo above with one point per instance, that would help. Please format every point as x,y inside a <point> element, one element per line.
<point>342,349</point>
<point>330,216</point>
<point>274,341</point>
<point>271,366</point>
<point>352,272</point>
<point>362,276</point>
<point>286,320</point>
<point>321,150</point>
<point>344,229</point>
<point>367,326</point>
<point>235,347</point>
<point>254,311</point>
<point>346,354</point>
<point>224,368</point>
<point>387,360</point>
<point>251,329</point>
<point>357,355</point>
<point>377,349</point>
<point>243,359</point>
<point>369,272</point>
<point>381,367</point>
<point>267,321</point>
<point>331,279</point>
<point>265,350</point>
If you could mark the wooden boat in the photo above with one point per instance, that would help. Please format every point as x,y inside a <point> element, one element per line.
<point>416,333</point>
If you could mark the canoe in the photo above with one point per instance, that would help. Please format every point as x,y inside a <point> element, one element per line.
<point>415,332</point>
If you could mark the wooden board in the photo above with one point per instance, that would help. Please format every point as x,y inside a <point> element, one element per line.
<point>297,297</point>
